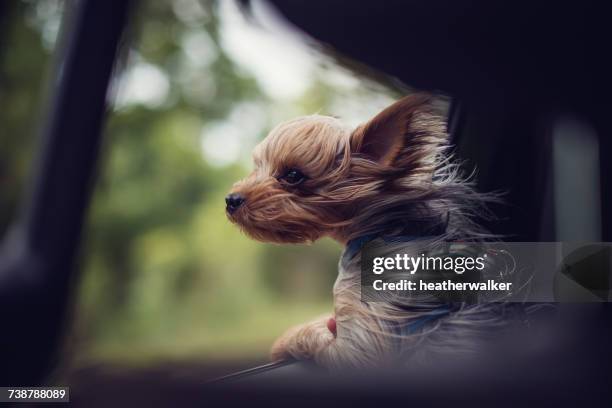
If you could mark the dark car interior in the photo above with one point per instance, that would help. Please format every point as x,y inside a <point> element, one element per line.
<point>530,86</point>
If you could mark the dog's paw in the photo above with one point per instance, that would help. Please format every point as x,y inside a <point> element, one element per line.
<point>281,346</point>
<point>303,342</point>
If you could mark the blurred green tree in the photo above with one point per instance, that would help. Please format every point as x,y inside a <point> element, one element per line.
<point>165,275</point>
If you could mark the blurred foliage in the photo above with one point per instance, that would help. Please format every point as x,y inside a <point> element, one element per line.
<point>165,275</point>
<point>24,62</point>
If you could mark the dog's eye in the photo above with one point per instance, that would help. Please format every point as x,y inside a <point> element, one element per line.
<point>293,177</point>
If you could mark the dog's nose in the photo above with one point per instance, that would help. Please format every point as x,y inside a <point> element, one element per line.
<point>233,201</point>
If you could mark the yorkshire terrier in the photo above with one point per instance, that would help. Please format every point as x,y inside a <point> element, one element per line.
<point>393,176</point>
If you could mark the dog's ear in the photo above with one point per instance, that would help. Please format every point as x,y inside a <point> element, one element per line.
<point>406,133</point>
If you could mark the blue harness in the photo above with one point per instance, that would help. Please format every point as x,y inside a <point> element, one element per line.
<point>354,246</point>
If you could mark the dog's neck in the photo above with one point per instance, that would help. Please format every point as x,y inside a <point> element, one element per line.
<point>354,245</point>
<point>392,229</point>
<point>408,233</point>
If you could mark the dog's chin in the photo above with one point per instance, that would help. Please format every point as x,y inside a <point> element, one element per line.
<point>279,237</point>
<point>276,232</point>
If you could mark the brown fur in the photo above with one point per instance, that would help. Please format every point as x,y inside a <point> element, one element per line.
<point>390,176</point>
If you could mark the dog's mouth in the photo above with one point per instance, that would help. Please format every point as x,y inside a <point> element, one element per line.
<point>235,216</point>
<point>232,214</point>
<point>242,218</point>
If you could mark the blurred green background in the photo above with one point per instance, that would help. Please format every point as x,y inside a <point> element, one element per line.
<point>165,275</point>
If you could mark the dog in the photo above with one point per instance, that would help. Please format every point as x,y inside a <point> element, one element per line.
<point>393,176</point>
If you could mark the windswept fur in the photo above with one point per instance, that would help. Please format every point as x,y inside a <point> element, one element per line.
<point>392,176</point>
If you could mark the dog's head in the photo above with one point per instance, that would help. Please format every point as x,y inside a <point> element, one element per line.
<point>316,177</point>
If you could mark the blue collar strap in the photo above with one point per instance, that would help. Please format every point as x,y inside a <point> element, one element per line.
<point>419,323</point>
<point>355,245</point>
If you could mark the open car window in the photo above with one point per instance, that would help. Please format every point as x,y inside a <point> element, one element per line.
<point>165,277</point>
<point>124,272</point>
